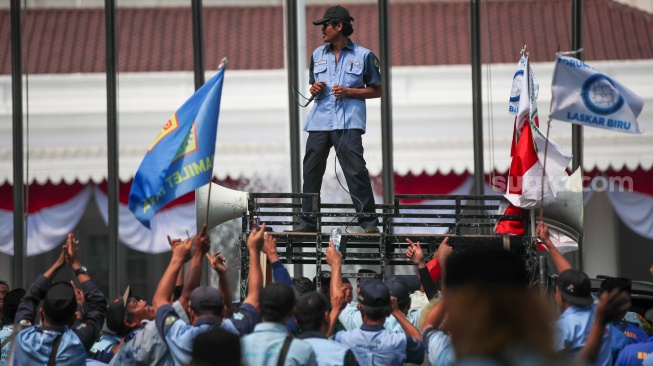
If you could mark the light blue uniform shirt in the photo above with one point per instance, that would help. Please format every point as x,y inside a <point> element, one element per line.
<point>179,335</point>
<point>147,347</point>
<point>373,346</point>
<point>106,342</point>
<point>357,67</point>
<point>329,353</point>
<point>351,319</point>
<point>5,333</point>
<point>262,347</point>
<point>573,328</point>
<point>438,347</point>
<point>34,345</point>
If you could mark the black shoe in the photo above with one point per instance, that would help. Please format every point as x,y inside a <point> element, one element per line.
<point>372,230</point>
<point>303,229</point>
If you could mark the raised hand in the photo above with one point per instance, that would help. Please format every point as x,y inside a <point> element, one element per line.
<point>182,252</point>
<point>270,248</point>
<point>173,242</point>
<point>203,242</point>
<point>612,305</point>
<point>444,250</point>
<point>414,252</point>
<point>542,232</point>
<point>79,294</point>
<point>255,239</point>
<point>70,254</point>
<point>333,257</point>
<point>218,262</point>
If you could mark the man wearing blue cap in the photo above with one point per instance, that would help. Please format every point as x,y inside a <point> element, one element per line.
<point>144,345</point>
<point>351,318</point>
<point>61,340</point>
<point>574,298</point>
<point>342,75</point>
<point>372,344</point>
<point>207,306</point>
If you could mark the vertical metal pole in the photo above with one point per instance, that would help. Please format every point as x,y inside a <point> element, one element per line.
<point>577,130</point>
<point>477,97</point>
<point>112,144</point>
<point>17,132</point>
<point>543,269</point>
<point>386,103</point>
<point>198,45</point>
<point>293,85</point>
<point>198,71</point>
<point>292,45</point>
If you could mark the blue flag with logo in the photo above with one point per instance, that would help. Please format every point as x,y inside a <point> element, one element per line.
<point>585,96</point>
<point>181,157</point>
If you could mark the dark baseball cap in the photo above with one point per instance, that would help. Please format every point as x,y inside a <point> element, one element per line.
<point>486,266</point>
<point>335,13</point>
<point>60,302</point>
<point>575,287</point>
<point>374,293</point>
<point>206,298</point>
<point>116,313</point>
<point>610,283</point>
<point>4,282</point>
<point>276,300</point>
<point>398,288</point>
<point>11,301</point>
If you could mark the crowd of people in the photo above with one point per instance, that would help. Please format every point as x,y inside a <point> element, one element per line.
<point>473,308</point>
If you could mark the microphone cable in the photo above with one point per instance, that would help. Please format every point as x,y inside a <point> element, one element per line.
<point>309,100</point>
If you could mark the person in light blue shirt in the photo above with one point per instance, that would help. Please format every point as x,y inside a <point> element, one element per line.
<point>574,298</point>
<point>372,343</point>
<point>351,318</point>
<point>313,319</point>
<point>206,311</point>
<point>62,336</point>
<point>207,306</point>
<point>270,339</point>
<point>144,345</point>
<point>439,350</point>
<point>11,301</point>
<point>342,75</point>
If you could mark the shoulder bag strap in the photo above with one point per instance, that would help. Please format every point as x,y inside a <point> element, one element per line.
<point>7,340</point>
<point>55,349</point>
<point>284,351</point>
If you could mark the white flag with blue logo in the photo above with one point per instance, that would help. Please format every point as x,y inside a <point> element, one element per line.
<point>515,90</point>
<point>585,96</point>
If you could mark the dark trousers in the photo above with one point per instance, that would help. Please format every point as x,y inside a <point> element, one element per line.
<point>349,150</point>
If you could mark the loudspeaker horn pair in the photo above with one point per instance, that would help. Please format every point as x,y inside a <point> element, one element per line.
<point>226,204</point>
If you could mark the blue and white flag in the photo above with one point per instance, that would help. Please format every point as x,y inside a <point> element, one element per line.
<point>181,157</point>
<point>515,90</point>
<point>585,96</point>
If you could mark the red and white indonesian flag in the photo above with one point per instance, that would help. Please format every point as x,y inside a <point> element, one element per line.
<point>525,177</point>
<point>587,97</point>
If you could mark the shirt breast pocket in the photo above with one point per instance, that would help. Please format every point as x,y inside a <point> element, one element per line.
<point>354,74</point>
<point>319,72</point>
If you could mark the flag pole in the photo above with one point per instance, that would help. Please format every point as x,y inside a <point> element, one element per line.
<point>223,63</point>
